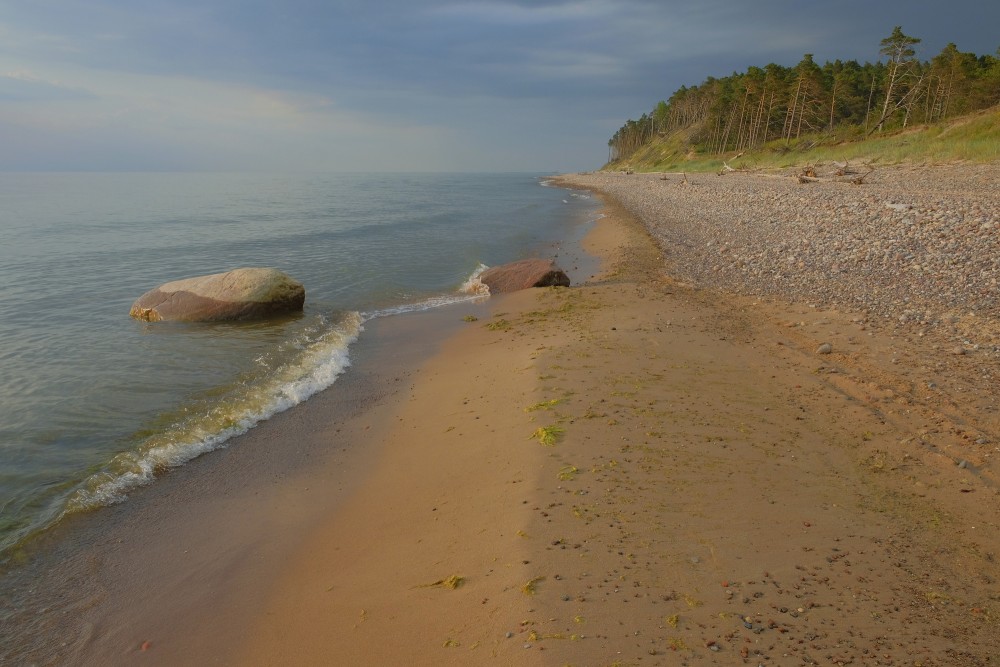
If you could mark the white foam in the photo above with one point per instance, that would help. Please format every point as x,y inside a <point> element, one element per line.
<point>316,368</point>
<point>317,364</point>
<point>472,290</point>
<point>473,285</point>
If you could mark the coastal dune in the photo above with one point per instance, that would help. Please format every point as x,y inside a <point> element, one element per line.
<point>651,468</point>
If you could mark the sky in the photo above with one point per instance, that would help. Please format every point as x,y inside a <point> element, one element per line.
<point>399,85</point>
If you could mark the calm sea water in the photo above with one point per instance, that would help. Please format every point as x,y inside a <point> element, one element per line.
<point>93,403</point>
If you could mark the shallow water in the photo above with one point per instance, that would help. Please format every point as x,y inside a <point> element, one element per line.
<point>93,403</point>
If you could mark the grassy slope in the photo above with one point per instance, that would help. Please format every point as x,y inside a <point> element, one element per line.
<point>974,138</point>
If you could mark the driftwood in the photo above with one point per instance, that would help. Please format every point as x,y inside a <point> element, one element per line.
<point>808,175</point>
<point>844,169</point>
<point>860,180</point>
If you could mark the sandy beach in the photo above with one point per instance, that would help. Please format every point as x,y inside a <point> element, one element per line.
<point>640,470</point>
<point>656,466</point>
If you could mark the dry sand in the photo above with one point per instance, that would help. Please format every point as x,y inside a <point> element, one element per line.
<point>636,472</point>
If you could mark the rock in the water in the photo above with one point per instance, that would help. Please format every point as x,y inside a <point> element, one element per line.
<point>240,294</point>
<point>522,275</point>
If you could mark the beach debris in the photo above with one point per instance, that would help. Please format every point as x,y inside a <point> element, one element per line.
<point>545,405</point>
<point>531,586</point>
<point>692,602</point>
<point>146,645</point>
<point>470,318</point>
<point>568,473</point>
<point>677,644</point>
<point>240,294</point>
<point>524,274</point>
<point>451,583</point>
<point>547,435</point>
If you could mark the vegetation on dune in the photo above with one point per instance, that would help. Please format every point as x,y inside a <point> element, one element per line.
<point>772,116</point>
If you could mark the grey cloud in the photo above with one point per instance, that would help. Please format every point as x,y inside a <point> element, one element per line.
<point>15,87</point>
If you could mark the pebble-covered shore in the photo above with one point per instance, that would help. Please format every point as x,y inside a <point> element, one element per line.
<point>911,245</point>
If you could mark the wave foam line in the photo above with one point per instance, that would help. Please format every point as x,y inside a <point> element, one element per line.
<point>315,369</point>
<point>471,290</point>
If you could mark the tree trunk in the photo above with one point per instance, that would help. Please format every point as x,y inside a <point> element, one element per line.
<point>833,103</point>
<point>893,69</point>
<point>868,110</point>
<point>786,132</point>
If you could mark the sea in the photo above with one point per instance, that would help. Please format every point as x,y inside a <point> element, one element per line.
<point>94,404</point>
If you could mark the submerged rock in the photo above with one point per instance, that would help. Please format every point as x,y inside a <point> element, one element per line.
<point>522,275</point>
<point>240,294</point>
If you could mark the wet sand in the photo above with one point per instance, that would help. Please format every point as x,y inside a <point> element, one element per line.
<point>637,472</point>
<point>184,564</point>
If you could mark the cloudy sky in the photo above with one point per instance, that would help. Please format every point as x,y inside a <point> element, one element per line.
<point>396,85</point>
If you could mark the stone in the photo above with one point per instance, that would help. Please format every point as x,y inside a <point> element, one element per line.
<point>522,275</point>
<point>825,348</point>
<point>240,294</point>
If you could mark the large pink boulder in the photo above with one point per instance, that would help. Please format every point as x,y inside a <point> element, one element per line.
<point>522,275</point>
<point>240,294</point>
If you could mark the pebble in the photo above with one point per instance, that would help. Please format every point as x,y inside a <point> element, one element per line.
<point>825,348</point>
<point>832,243</point>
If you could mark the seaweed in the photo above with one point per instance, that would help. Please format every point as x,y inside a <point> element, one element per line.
<point>531,586</point>
<point>547,435</point>
<point>568,473</point>
<point>452,582</point>
<point>545,405</point>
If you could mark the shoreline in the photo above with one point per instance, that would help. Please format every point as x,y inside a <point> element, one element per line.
<point>158,565</point>
<point>631,470</point>
<point>716,492</point>
<point>84,429</point>
<point>185,561</point>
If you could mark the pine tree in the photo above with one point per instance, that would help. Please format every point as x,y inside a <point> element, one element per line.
<point>899,48</point>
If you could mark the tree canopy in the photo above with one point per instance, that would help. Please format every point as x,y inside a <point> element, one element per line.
<point>774,102</point>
